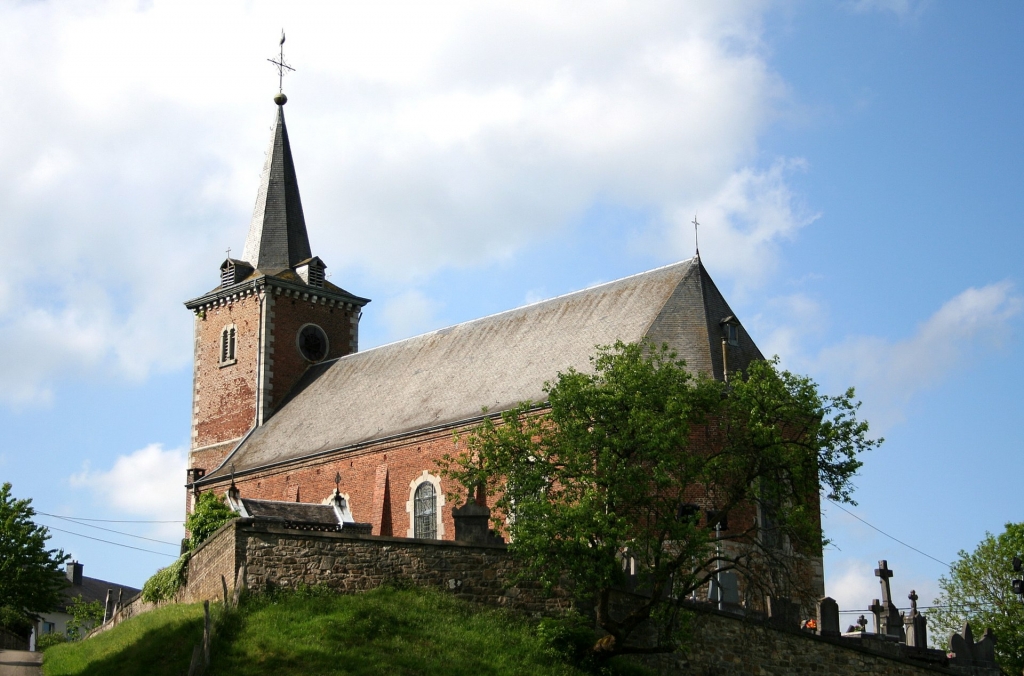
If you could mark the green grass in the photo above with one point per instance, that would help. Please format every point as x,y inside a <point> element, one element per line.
<point>386,631</point>
<point>154,644</point>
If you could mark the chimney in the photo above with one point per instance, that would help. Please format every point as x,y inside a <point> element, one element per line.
<point>74,573</point>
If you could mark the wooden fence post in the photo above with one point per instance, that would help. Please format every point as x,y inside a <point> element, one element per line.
<point>206,634</point>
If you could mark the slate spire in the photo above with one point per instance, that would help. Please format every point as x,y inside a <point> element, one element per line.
<point>277,233</point>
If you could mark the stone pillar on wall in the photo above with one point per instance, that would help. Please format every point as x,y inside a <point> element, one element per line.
<point>473,524</point>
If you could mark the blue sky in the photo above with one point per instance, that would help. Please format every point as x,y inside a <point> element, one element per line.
<point>855,167</point>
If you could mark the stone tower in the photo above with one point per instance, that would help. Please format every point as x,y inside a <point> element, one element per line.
<point>272,318</point>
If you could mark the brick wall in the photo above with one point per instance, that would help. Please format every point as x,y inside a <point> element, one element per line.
<point>287,315</point>
<point>224,397</point>
<point>378,480</point>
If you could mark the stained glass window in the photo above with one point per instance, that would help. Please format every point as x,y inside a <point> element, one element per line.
<point>426,511</point>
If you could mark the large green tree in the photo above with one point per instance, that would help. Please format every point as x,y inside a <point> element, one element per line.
<point>979,590</point>
<point>31,579</point>
<point>629,463</point>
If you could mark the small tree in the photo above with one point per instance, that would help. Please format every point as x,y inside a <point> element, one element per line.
<point>31,579</point>
<point>978,590</point>
<point>620,463</point>
<point>84,616</point>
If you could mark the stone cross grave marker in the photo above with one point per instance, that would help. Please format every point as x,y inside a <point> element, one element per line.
<point>916,624</point>
<point>892,623</point>
<point>876,609</point>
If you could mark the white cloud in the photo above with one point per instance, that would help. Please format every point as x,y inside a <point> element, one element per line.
<point>426,136</point>
<point>410,313</point>
<point>901,8</point>
<point>888,373</point>
<point>852,583</point>
<point>148,483</point>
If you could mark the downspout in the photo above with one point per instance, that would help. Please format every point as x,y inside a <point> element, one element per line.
<point>259,360</point>
<point>725,361</point>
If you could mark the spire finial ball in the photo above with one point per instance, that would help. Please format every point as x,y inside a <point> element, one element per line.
<point>280,99</point>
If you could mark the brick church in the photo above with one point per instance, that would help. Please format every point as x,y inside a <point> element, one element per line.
<point>289,411</point>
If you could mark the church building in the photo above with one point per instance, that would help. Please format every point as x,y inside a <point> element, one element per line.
<point>288,410</point>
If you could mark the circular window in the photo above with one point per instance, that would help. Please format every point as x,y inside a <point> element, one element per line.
<point>312,342</point>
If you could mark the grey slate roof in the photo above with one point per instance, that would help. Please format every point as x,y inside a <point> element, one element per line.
<point>302,512</point>
<point>93,589</point>
<point>446,376</point>
<point>277,233</point>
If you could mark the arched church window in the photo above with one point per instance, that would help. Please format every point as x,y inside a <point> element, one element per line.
<point>227,345</point>
<point>426,511</point>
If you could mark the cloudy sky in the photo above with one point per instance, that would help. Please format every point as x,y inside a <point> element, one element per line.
<point>855,167</point>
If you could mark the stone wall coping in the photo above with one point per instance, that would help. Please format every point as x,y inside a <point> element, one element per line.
<point>266,526</point>
<point>840,641</point>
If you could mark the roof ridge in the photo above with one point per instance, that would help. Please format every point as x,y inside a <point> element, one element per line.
<point>520,307</point>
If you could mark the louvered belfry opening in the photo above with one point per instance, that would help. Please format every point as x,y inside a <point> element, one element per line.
<point>316,275</point>
<point>227,275</point>
<point>227,344</point>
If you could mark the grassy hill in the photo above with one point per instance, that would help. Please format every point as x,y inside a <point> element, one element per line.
<point>386,631</point>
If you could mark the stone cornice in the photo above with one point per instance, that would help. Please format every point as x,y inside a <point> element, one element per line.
<point>279,287</point>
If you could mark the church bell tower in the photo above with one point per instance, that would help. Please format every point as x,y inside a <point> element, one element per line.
<point>273,319</point>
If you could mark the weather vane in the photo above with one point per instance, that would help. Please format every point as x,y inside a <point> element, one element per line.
<point>281,66</point>
<point>696,243</point>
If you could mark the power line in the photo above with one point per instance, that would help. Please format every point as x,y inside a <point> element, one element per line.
<point>118,532</point>
<point>82,518</point>
<point>887,535</point>
<point>117,544</point>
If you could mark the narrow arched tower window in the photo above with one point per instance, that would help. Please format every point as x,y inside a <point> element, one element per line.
<point>426,511</point>
<point>227,345</point>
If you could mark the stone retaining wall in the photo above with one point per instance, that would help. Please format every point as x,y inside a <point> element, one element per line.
<point>725,644</point>
<point>278,557</point>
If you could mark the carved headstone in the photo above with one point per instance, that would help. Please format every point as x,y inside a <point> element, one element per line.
<point>784,613</point>
<point>916,624</point>
<point>962,647</point>
<point>984,651</point>
<point>828,617</point>
<point>727,585</point>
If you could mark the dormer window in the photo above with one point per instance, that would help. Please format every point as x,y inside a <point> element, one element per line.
<point>227,345</point>
<point>233,271</point>
<point>312,271</point>
<point>731,330</point>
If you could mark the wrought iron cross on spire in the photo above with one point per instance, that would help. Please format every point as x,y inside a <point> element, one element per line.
<point>281,65</point>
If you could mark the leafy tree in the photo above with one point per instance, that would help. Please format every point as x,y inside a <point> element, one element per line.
<point>618,465</point>
<point>978,590</point>
<point>31,579</point>
<point>84,616</point>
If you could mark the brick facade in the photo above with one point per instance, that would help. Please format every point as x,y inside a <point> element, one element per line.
<point>231,396</point>
<point>379,481</point>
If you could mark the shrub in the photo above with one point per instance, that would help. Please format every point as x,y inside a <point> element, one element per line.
<point>166,582</point>
<point>211,513</point>
<point>49,640</point>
